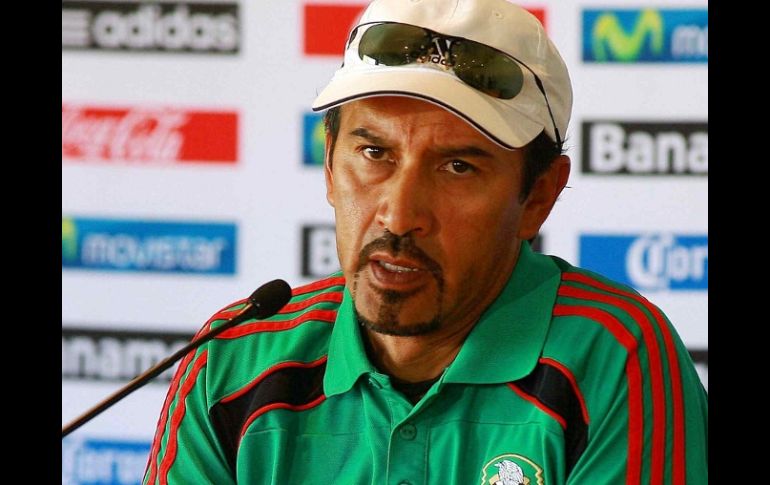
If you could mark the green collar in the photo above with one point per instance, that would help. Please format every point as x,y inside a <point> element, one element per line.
<point>347,357</point>
<point>503,346</point>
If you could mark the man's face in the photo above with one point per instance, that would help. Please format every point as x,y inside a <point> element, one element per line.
<point>427,213</point>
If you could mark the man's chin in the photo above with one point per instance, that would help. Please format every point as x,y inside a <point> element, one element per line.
<point>394,327</point>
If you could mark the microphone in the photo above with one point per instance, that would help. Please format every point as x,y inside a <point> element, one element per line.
<point>265,302</point>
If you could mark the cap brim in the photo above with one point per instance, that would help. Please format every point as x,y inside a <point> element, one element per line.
<point>490,116</point>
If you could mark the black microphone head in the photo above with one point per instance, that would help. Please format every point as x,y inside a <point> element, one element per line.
<point>269,298</point>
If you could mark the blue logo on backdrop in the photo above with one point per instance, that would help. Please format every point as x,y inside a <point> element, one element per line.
<point>647,35</point>
<point>650,261</point>
<point>103,462</point>
<point>313,139</point>
<point>155,246</point>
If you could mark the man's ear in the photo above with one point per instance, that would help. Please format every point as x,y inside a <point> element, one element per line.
<point>543,196</point>
<point>328,170</point>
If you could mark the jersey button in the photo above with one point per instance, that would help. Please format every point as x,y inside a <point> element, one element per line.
<point>374,383</point>
<point>408,432</point>
<point>404,482</point>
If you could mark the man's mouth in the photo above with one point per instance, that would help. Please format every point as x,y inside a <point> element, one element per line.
<point>396,268</point>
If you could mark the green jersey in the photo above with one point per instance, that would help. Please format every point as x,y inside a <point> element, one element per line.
<point>566,378</point>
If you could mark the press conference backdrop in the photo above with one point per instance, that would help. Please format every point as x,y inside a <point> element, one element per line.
<point>192,173</point>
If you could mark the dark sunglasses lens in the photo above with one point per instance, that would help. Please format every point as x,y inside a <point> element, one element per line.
<point>487,70</point>
<point>393,44</point>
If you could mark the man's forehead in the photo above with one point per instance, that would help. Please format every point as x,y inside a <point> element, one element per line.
<point>385,117</point>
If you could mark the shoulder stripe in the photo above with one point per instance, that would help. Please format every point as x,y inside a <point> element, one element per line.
<point>326,283</point>
<point>650,340</point>
<point>319,285</point>
<point>332,297</point>
<point>163,419</point>
<point>176,419</point>
<point>327,316</point>
<point>269,371</point>
<point>571,378</point>
<point>633,376</point>
<point>552,388</point>
<point>282,405</point>
<point>679,464</point>
<point>518,390</point>
<point>329,297</point>
<point>292,385</point>
<point>152,463</point>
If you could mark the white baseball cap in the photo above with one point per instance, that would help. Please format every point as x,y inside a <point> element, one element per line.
<point>499,24</point>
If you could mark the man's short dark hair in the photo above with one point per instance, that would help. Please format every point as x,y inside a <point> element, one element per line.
<point>539,154</point>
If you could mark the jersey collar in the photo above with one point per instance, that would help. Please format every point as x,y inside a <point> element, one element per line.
<point>503,346</point>
<point>347,357</point>
<point>508,339</point>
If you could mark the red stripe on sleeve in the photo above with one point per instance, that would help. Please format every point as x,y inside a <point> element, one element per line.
<point>633,377</point>
<point>229,311</point>
<point>679,465</point>
<point>176,418</point>
<point>656,370</point>
<point>153,462</point>
<point>330,297</point>
<point>539,404</point>
<point>318,285</point>
<point>274,326</point>
<point>571,378</point>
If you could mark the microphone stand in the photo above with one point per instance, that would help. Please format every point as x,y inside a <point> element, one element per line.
<point>263,303</point>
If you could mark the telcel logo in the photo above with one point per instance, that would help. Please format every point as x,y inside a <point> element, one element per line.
<point>649,262</point>
<point>90,461</point>
<point>648,35</point>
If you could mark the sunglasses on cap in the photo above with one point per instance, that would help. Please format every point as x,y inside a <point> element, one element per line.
<point>480,66</point>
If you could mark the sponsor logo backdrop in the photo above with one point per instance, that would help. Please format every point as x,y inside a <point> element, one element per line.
<point>192,173</point>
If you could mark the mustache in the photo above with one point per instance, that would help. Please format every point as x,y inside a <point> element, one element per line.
<point>399,246</point>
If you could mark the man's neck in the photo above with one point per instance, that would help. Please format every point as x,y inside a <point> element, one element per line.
<point>414,358</point>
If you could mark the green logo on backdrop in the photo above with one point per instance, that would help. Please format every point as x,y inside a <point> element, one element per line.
<point>318,142</point>
<point>69,240</point>
<point>627,47</point>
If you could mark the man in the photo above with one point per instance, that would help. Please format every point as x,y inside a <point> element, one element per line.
<point>446,350</point>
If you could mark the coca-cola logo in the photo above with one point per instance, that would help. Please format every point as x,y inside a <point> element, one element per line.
<point>152,135</point>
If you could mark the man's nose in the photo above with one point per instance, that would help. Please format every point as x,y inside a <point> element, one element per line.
<point>406,204</point>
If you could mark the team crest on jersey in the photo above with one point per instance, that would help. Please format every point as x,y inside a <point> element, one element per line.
<point>510,469</point>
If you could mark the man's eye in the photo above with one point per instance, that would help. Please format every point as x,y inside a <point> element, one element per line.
<point>459,167</point>
<point>374,152</point>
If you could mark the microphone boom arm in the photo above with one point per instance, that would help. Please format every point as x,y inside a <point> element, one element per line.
<point>266,301</point>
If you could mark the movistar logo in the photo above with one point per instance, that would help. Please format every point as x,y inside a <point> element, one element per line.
<point>161,246</point>
<point>314,139</point>
<point>609,35</point>
<point>69,240</point>
<point>647,35</point>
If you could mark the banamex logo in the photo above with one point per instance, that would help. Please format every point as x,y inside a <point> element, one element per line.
<point>645,148</point>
